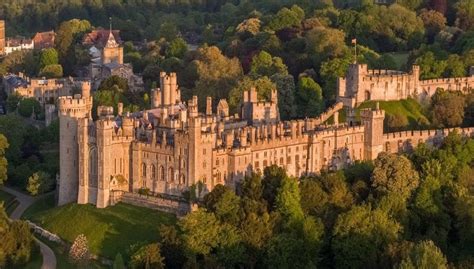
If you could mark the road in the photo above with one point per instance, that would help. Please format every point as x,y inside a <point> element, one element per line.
<point>49,259</point>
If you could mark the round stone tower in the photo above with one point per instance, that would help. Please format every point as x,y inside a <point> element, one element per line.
<point>70,110</point>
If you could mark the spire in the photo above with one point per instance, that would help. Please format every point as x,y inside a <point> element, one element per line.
<point>111,42</point>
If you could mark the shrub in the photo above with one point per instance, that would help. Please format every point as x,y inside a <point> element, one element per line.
<point>79,251</point>
<point>39,182</point>
<point>28,106</point>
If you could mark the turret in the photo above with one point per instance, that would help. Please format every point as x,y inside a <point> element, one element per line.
<point>170,93</point>
<point>209,106</point>
<point>155,98</point>
<point>71,110</point>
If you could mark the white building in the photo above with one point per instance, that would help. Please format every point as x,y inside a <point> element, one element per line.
<point>17,44</point>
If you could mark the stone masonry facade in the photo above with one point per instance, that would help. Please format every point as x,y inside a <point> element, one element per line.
<point>172,146</point>
<point>362,84</point>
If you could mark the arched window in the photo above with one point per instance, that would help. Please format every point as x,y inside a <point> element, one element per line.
<point>367,95</point>
<point>182,179</point>
<point>153,172</point>
<point>162,173</point>
<point>143,170</point>
<point>170,174</point>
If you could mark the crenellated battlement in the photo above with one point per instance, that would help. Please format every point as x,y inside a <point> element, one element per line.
<point>429,82</point>
<point>74,106</point>
<point>425,134</point>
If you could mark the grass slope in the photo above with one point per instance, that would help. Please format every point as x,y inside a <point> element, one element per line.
<point>108,231</point>
<point>409,108</point>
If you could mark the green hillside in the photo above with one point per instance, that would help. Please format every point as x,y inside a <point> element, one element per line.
<point>409,109</point>
<point>108,231</point>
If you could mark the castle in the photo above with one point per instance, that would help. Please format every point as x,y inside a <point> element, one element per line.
<point>362,84</point>
<point>172,146</point>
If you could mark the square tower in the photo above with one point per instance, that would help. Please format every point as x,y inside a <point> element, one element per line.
<point>373,131</point>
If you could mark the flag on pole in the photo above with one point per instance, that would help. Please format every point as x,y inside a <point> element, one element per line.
<point>354,41</point>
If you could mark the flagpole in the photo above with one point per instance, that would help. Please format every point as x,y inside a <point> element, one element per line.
<point>355,51</point>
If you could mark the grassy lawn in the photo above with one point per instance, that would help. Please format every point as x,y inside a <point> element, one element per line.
<point>109,231</point>
<point>42,204</point>
<point>408,108</point>
<point>62,259</point>
<point>9,201</point>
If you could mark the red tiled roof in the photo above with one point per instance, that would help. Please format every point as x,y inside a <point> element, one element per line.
<point>99,37</point>
<point>44,39</point>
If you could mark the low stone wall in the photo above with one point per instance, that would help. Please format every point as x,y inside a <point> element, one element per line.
<point>177,207</point>
<point>45,233</point>
<point>55,238</point>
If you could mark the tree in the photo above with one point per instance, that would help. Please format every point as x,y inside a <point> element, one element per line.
<point>447,108</point>
<point>52,71</point>
<point>325,43</point>
<point>118,262</point>
<point>285,85</point>
<point>286,18</point>
<point>3,161</point>
<point>39,182</point>
<point>177,48</point>
<point>168,31</point>
<point>273,177</point>
<point>330,71</point>
<point>424,255</point>
<point>394,174</point>
<point>114,83</point>
<point>309,97</point>
<point>397,122</point>
<point>250,25</point>
<point>216,74</point>
<point>434,22</point>
<point>200,231</point>
<point>17,241</point>
<point>28,106</point>
<point>360,237</point>
<point>263,85</point>
<point>66,36</point>
<point>48,57</point>
<point>465,14</point>
<point>430,67</point>
<point>148,256</point>
<point>288,201</point>
<point>12,127</point>
<point>455,66</point>
<point>224,203</point>
<point>79,251</point>
<point>12,102</point>
<point>263,64</point>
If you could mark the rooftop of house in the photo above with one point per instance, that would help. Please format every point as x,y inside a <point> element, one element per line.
<point>15,42</point>
<point>100,37</point>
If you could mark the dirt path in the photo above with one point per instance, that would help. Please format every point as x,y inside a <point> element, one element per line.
<point>49,259</point>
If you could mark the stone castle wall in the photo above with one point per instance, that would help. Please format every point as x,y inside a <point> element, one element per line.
<point>362,84</point>
<point>172,146</point>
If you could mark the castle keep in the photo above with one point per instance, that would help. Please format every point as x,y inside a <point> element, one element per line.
<point>362,84</point>
<point>173,145</point>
